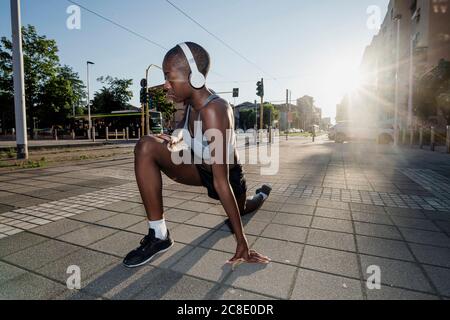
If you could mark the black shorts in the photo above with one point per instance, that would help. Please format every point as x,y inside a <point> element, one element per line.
<point>237,181</point>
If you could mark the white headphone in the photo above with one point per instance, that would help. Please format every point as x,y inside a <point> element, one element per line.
<point>196,78</point>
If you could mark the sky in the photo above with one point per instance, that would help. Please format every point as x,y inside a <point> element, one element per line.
<point>311,47</point>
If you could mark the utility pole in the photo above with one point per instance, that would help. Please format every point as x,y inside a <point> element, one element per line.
<point>289,113</point>
<point>397,18</point>
<point>89,102</point>
<point>19,82</point>
<point>411,81</point>
<point>261,108</point>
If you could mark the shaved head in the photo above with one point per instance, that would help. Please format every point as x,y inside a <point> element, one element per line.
<point>176,58</point>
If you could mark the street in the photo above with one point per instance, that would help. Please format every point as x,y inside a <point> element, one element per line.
<point>336,213</point>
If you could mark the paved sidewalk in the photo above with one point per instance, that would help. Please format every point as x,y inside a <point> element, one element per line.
<point>335,211</point>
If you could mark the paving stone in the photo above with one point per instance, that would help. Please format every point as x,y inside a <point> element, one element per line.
<point>332,224</point>
<point>383,248</point>
<point>426,237</point>
<point>195,206</point>
<point>371,218</point>
<point>397,273</point>
<point>431,255</point>
<point>332,240</point>
<point>366,208</point>
<point>19,242</point>
<point>295,220</point>
<point>169,285</point>
<point>439,277</point>
<point>121,221</point>
<point>88,235</point>
<point>172,256</point>
<point>333,213</point>
<point>376,230</point>
<point>8,272</point>
<point>90,262</point>
<point>172,202</point>
<point>39,255</point>
<point>297,209</point>
<point>288,233</point>
<point>178,215</point>
<point>30,287</point>
<point>191,235</point>
<point>278,250</point>
<point>207,220</point>
<point>415,223</point>
<point>119,244</point>
<point>333,205</point>
<point>273,279</point>
<point>204,263</point>
<point>58,228</point>
<point>312,285</point>
<point>388,293</point>
<point>224,241</point>
<point>331,261</point>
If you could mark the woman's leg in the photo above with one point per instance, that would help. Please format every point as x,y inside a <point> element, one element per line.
<point>247,206</point>
<point>152,157</point>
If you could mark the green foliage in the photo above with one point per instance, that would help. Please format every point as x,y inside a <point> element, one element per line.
<point>160,103</point>
<point>114,96</point>
<point>433,93</point>
<point>51,89</point>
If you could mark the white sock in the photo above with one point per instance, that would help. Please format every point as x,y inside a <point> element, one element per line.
<point>160,228</point>
<point>262,194</point>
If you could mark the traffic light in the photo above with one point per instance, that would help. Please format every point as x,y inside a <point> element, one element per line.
<point>144,96</point>
<point>236,93</point>
<point>260,88</point>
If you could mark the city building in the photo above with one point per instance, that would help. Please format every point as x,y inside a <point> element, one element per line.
<point>414,37</point>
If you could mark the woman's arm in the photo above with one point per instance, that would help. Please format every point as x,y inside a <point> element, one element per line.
<point>217,118</point>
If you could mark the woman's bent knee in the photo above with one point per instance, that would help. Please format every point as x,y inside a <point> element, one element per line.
<point>146,146</point>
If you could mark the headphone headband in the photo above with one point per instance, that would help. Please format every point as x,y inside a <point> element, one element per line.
<point>197,79</point>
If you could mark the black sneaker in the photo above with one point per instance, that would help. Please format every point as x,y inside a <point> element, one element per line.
<point>264,189</point>
<point>150,246</point>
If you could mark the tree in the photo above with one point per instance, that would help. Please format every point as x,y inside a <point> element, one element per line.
<point>43,73</point>
<point>158,100</point>
<point>60,96</point>
<point>114,96</point>
<point>433,93</point>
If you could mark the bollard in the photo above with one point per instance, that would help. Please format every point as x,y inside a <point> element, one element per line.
<point>128,133</point>
<point>432,141</point>
<point>139,134</point>
<point>116,134</point>
<point>73,134</point>
<point>56,134</point>
<point>421,138</point>
<point>93,133</point>
<point>107,133</point>
<point>270,136</point>
<point>411,136</point>
<point>123,134</point>
<point>448,139</point>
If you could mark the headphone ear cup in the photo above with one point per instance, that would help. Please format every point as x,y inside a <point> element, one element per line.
<point>197,80</point>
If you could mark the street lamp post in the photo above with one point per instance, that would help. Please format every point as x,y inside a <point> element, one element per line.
<point>89,101</point>
<point>147,111</point>
<point>19,85</point>
<point>397,18</point>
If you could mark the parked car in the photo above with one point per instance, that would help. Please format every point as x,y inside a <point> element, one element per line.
<point>351,131</point>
